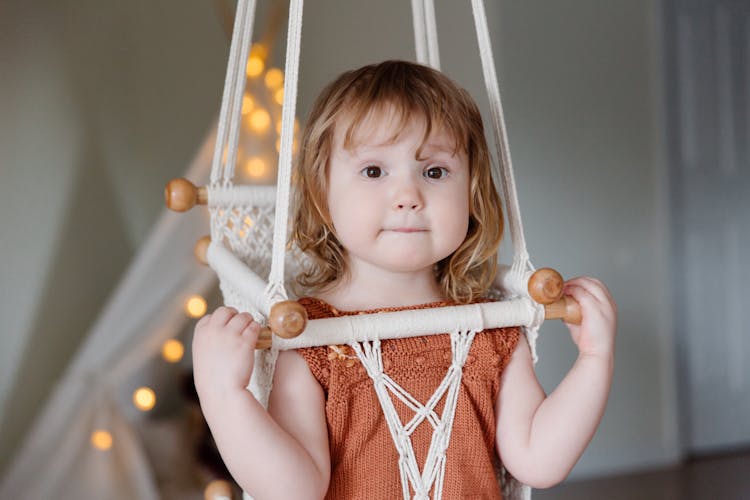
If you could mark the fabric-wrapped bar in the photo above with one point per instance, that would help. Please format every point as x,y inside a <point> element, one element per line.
<point>413,323</point>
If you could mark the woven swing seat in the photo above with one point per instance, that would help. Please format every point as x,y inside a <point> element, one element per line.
<point>249,229</point>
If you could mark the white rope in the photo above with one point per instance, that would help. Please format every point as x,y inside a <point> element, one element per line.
<point>275,290</point>
<point>433,472</point>
<point>420,37</point>
<point>425,33</point>
<point>520,255</point>
<point>521,266</point>
<point>432,37</point>
<point>225,151</point>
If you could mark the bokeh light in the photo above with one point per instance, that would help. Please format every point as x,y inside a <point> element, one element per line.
<point>256,167</point>
<point>196,306</point>
<point>247,104</point>
<point>254,67</point>
<point>260,120</point>
<point>172,350</point>
<point>144,398</point>
<point>101,439</point>
<point>256,62</point>
<point>274,78</point>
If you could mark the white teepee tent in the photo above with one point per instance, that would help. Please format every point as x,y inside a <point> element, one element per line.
<point>57,459</point>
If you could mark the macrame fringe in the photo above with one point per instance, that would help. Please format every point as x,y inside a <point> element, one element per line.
<point>430,478</point>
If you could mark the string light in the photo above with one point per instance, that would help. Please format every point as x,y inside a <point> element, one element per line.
<point>256,61</point>
<point>172,350</point>
<point>254,67</point>
<point>274,78</point>
<point>256,167</point>
<point>259,50</point>
<point>247,104</point>
<point>278,96</point>
<point>101,439</point>
<point>260,120</point>
<point>196,306</point>
<point>144,398</point>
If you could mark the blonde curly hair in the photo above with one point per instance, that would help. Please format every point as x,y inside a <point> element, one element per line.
<point>406,91</point>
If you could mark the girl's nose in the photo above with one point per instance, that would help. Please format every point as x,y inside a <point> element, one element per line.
<point>408,197</point>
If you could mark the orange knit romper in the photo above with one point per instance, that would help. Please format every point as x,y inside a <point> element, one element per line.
<point>364,460</point>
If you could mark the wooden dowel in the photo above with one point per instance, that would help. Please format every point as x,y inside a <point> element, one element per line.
<point>181,195</point>
<point>566,309</point>
<point>288,319</point>
<point>264,339</point>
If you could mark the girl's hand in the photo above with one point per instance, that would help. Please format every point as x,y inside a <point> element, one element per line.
<point>596,333</point>
<point>223,351</point>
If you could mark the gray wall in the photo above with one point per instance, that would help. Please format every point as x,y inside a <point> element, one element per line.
<point>107,100</point>
<point>582,86</point>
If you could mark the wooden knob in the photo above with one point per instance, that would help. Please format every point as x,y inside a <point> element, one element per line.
<point>181,195</point>
<point>218,489</point>
<point>546,286</point>
<point>201,247</point>
<point>566,309</point>
<point>287,319</point>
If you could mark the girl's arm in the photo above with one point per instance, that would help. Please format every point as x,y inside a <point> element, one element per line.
<point>540,438</point>
<point>282,453</point>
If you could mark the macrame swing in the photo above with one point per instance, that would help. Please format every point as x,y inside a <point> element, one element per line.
<point>243,218</point>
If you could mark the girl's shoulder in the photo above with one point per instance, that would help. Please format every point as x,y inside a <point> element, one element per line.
<point>317,308</point>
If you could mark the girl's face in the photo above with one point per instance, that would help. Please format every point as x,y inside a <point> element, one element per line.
<point>391,210</point>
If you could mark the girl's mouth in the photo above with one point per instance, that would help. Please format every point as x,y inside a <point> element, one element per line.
<point>406,230</point>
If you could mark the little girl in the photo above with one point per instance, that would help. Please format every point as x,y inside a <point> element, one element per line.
<point>396,209</point>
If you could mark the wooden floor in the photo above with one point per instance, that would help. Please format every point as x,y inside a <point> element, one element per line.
<point>723,477</point>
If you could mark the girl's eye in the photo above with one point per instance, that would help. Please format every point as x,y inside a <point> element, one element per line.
<point>436,173</point>
<point>372,172</point>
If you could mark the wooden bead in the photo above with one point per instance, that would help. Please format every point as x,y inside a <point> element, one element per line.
<point>287,319</point>
<point>218,489</point>
<point>546,286</point>
<point>181,195</point>
<point>201,248</point>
